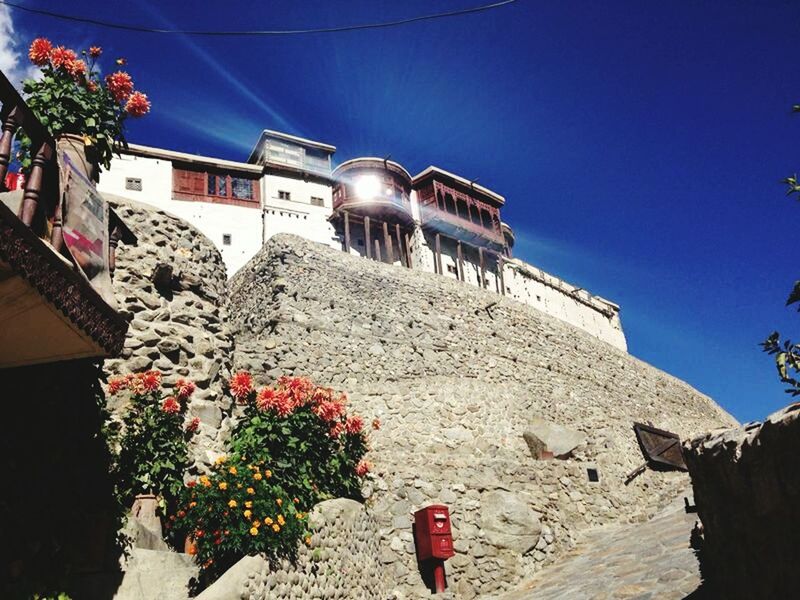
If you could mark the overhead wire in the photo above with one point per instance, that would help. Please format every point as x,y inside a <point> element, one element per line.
<point>265,32</point>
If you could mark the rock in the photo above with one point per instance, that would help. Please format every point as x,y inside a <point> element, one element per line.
<point>232,582</point>
<point>559,440</point>
<point>509,522</point>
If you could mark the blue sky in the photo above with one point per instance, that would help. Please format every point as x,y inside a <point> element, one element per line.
<point>640,145</point>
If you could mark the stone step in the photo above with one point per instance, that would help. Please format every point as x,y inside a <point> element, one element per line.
<point>156,575</point>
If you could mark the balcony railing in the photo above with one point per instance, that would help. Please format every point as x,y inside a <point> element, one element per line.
<point>444,206</point>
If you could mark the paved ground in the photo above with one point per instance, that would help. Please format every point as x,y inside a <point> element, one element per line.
<point>642,561</point>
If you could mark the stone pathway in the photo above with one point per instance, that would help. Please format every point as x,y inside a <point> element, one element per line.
<point>638,562</point>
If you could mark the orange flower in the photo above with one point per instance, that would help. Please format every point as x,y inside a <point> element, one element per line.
<point>193,425</point>
<point>251,491</point>
<point>308,540</point>
<point>76,68</point>
<point>138,105</point>
<point>279,501</point>
<point>184,388</point>
<point>257,476</point>
<point>116,384</point>
<point>95,51</point>
<point>223,485</point>
<point>254,531</point>
<point>256,523</point>
<point>354,425</point>
<point>362,468</point>
<point>39,52</point>
<point>120,85</point>
<point>171,406</point>
<point>232,504</point>
<point>248,504</point>
<point>241,384</point>
<point>233,471</point>
<point>91,85</point>
<point>151,380</point>
<point>267,473</point>
<point>60,57</point>
<point>192,504</point>
<point>247,514</point>
<point>267,521</point>
<point>376,424</point>
<point>276,528</point>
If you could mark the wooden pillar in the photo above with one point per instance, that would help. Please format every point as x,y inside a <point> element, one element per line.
<point>33,186</point>
<point>377,250</point>
<point>500,271</point>
<point>8,128</point>
<point>483,267</point>
<point>367,237</point>
<point>113,242</point>
<point>387,242</point>
<point>57,235</point>
<point>460,261</point>
<point>399,244</point>
<point>438,256</point>
<point>408,251</point>
<point>346,232</point>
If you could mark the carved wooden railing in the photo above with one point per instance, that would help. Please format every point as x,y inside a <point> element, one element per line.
<point>40,197</point>
<point>433,195</point>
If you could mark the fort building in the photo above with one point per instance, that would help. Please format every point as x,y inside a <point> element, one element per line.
<point>435,221</point>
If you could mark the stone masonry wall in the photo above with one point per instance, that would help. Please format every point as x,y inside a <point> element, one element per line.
<point>747,489</point>
<point>178,322</point>
<point>455,374</point>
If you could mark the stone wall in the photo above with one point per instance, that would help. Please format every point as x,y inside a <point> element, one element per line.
<point>172,288</point>
<point>747,489</point>
<point>456,374</point>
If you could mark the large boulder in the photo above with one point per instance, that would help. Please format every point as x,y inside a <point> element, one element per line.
<point>559,440</point>
<point>509,521</point>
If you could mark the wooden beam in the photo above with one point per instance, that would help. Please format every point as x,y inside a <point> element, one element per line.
<point>460,261</point>
<point>500,270</point>
<point>346,232</point>
<point>438,256</point>
<point>377,250</point>
<point>367,237</point>
<point>408,251</point>
<point>387,242</point>
<point>483,267</point>
<point>399,244</point>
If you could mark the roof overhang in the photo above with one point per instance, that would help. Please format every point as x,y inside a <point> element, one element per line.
<point>191,159</point>
<point>432,171</point>
<point>287,138</point>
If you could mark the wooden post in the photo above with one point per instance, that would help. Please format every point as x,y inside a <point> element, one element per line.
<point>387,242</point>
<point>500,270</point>
<point>113,242</point>
<point>460,262</point>
<point>377,250</point>
<point>367,237</point>
<point>8,128</point>
<point>346,232</point>
<point>57,235</point>
<point>438,254</point>
<point>399,244</point>
<point>33,186</point>
<point>408,251</point>
<point>483,267</point>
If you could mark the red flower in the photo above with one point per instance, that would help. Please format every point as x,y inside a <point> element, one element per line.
<point>184,388</point>
<point>191,483</point>
<point>91,85</point>
<point>61,57</point>
<point>336,430</point>
<point>116,384</point>
<point>241,385</point>
<point>95,51</point>
<point>151,380</point>
<point>354,425</point>
<point>362,468</point>
<point>278,401</point>
<point>376,424</point>
<point>120,85</point>
<point>193,425</point>
<point>171,406</point>
<point>329,411</point>
<point>138,105</point>
<point>76,68</point>
<point>39,52</point>
<point>299,389</point>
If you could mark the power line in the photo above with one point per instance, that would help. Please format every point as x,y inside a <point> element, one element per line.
<point>453,13</point>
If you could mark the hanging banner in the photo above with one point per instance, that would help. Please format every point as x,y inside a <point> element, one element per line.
<point>85,219</point>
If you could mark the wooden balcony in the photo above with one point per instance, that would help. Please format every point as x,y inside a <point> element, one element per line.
<point>50,309</point>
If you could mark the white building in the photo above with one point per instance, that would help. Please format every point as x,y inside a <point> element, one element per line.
<point>435,221</point>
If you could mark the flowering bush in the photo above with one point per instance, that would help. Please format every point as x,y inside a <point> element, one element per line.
<point>238,509</point>
<point>71,97</point>
<point>303,431</point>
<point>149,445</point>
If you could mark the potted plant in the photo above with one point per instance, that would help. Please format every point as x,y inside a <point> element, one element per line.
<point>150,444</point>
<point>85,113</point>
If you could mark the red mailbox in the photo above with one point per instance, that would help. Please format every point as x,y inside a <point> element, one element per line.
<point>434,536</point>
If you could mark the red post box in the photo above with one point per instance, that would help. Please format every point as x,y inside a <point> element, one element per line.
<point>434,539</point>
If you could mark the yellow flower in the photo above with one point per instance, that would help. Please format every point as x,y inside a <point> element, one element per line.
<point>220,460</point>
<point>205,481</point>
<point>233,471</point>
<point>256,523</point>
<point>279,501</point>
<point>308,540</point>
<point>276,528</point>
<point>257,476</point>
<point>281,520</point>
<point>238,486</point>
<point>251,491</point>
<point>267,473</point>
<point>254,531</point>
<point>223,485</point>
<point>247,514</point>
<point>248,504</point>
<point>192,504</point>
<point>232,503</point>
<point>267,521</point>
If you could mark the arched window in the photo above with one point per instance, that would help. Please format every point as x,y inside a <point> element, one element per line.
<point>450,204</point>
<point>462,209</point>
<point>486,219</point>
<point>440,201</point>
<point>475,214</point>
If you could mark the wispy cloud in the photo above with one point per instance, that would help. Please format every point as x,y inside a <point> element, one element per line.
<point>13,61</point>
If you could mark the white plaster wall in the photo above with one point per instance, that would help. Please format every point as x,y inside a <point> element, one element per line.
<point>156,176</point>
<point>298,215</point>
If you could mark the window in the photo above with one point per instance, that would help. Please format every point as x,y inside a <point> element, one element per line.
<point>593,475</point>
<point>284,195</point>
<point>217,185</point>
<point>452,269</point>
<point>486,219</point>
<point>241,188</point>
<point>360,243</point>
<point>226,239</point>
<point>317,201</point>
<point>133,183</point>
